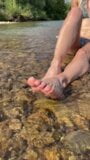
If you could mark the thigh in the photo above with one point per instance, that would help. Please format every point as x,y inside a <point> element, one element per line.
<point>74,48</point>
<point>86,48</point>
<point>81,43</point>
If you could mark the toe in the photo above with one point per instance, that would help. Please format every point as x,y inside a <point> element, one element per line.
<point>37,82</point>
<point>47,89</point>
<point>51,93</point>
<point>31,81</point>
<point>42,85</point>
<point>39,87</point>
<point>35,89</point>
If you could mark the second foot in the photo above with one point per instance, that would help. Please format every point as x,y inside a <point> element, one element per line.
<point>50,87</point>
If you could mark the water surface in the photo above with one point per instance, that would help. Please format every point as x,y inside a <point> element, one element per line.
<point>33,127</point>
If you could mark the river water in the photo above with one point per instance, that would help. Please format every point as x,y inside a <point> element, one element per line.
<point>33,127</point>
<point>34,41</point>
<point>37,37</point>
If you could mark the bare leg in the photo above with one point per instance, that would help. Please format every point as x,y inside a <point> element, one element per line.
<point>67,38</point>
<point>78,66</point>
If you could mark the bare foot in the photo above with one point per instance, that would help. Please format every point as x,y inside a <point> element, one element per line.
<point>53,71</point>
<point>51,87</point>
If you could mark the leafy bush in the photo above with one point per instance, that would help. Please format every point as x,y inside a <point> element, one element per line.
<point>3,16</point>
<point>38,14</point>
<point>21,10</point>
<point>25,13</point>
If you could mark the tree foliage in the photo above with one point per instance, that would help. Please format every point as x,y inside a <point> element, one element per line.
<point>32,9</point>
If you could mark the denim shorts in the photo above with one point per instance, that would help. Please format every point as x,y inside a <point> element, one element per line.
<point>84,41</point>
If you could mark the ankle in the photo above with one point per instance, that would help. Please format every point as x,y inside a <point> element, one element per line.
<point>56,63</point>
<point>63,80</point>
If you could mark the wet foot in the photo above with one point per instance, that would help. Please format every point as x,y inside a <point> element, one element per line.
<point>51,87</point>
<point>41,85</point>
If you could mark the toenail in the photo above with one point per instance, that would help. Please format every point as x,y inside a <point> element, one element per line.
<point>37,82</point>
<point>31,78</point>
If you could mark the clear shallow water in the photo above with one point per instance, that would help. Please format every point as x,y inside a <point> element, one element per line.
<point>31,42</point>
<point>39,128</point>
<point>36,36</point>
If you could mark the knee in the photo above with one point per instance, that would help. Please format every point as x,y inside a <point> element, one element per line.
<point>83,53</point>
<point>82,56</point>
<point>75,14</point>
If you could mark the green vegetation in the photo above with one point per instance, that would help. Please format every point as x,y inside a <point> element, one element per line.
<point>23,10</point>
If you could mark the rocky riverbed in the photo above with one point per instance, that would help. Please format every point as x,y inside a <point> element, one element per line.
<point>33,127</point>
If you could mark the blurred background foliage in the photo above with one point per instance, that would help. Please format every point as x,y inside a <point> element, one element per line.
<point>24,10</point>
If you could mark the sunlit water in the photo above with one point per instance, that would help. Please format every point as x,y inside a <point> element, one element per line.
<point>27,37</point>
